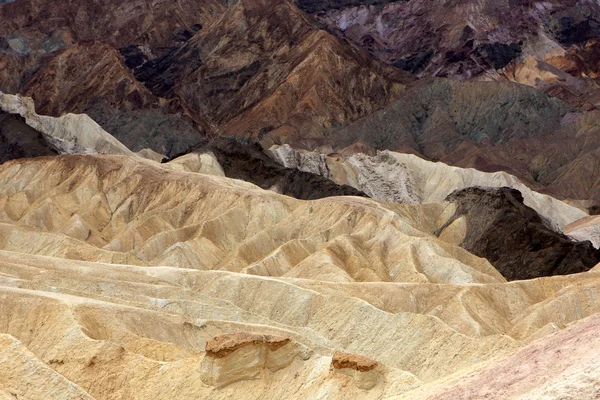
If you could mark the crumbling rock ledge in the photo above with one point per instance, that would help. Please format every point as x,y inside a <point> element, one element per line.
<point>245,356</point>
<point>363,371</point>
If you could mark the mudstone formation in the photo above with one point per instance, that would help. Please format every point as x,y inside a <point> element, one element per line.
<point>282,199</point>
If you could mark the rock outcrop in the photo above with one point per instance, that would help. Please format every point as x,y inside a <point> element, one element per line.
<point>406,178</point>
<point>69,134</point>
<point>514,238</point>
<point>250,163</point>
<point>362,370</point>
<point>120,277</point>
<point>234,357</point>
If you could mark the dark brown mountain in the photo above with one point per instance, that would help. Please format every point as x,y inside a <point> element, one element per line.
<point>257,69</point>
<point>265,70</point>
<point>249,162</point>
<point>514,238</point>
<point>19,140</point>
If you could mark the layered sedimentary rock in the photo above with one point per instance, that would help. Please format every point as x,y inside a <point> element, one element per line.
<point>109,303</point>
<point>490,126</point>
<point>406,178</point>
<point>366,373</point>
<point>237,357</point>
<point>71,133</point>
<point>513,237</point>
<point>467,39</point>
<point>250,163</point>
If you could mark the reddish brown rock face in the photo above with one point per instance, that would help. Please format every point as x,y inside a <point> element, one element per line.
<point>223,345</point>
<point>262,70</point>
<point>266,68</point>
<point>458,38</point>
<point>342,360</point>
<point>56,23</point>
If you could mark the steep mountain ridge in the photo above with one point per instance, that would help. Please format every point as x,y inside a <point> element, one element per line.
<point>513,237</point>
<point>264,67</point>
<point>409,179</point>
<point>254,68</point>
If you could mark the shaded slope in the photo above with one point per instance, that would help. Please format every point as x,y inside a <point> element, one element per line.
<point>91,78</point>
<point>266,67</point>
<point>513,237</point>
<point>33,31</point>
<point>550,45</point>
<point>436,116</point>
<point>19,140</point>
<point>251,163</point>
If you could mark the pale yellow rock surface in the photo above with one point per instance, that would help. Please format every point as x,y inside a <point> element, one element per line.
<point>586,228</point>
<point>150,154</point>
<point>123,279</point>
<point>564,365</point>
<point>203,163</point>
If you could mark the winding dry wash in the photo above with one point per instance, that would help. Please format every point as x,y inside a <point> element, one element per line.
<point>342,199</point>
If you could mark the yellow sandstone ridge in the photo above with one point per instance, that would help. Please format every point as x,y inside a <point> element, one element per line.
<point>123,279</point>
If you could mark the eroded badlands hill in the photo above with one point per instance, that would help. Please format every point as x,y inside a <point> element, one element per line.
<point>121,278</point>
<point>166,81</point>
<point>405,178</point>
<point>490,126</point>
<point>513,237</point>
<point>468,38</point>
